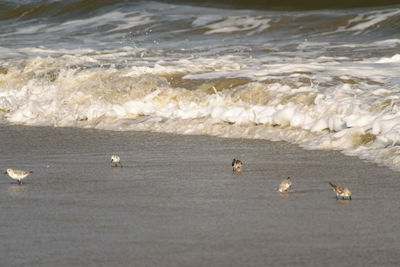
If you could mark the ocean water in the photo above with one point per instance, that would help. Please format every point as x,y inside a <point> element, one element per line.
<point>320,76</point>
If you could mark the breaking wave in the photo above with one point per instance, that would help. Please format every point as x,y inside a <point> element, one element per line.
<point>323,79</point>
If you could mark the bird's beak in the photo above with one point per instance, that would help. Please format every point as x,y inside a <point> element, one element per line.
<point>5,172</point>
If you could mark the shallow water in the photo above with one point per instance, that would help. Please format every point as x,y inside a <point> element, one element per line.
<point>177,202</point>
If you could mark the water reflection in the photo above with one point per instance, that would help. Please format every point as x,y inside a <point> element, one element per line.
<point>115,170</point>
<point>16,190</point>
<point>285,194</point>
<point>343,201</point>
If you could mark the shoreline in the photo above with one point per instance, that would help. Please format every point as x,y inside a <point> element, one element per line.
<point>177,202</point>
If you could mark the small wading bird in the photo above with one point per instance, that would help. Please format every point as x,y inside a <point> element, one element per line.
<point>285,185</point>
<point>237,165</point>
<point>116,160</point>
<point>341,192</point>
<point>17,175</point>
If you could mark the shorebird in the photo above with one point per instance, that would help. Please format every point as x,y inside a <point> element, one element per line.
<point>341,191</point>
<point>285,185</point>
<point>115,159</point>
<point>237,165</point>
<point>17,174</point>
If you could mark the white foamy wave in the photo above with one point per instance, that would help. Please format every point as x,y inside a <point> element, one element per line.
<point>215,24</point>
<point>114,21</point>
<point>387,43</point>
<point>364,21</point>
<point>393,59</point>
<point>354,117</point>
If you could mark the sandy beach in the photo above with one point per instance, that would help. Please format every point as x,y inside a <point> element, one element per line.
<point>176,202</point>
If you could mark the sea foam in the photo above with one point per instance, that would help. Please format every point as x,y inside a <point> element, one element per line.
<point>57,92</point>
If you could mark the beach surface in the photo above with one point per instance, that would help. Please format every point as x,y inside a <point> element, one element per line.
<point>176,202</point>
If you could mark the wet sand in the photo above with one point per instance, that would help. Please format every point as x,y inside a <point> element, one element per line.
<point>176,202</point>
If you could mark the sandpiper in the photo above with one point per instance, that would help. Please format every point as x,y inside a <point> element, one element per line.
<point>17,174</point>
<point>285,185</point>
<point>237,165</point>
<point>115,159</point>
<point>341,191</point>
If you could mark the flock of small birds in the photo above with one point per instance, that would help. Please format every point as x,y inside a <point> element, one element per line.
<point>341,192</point>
